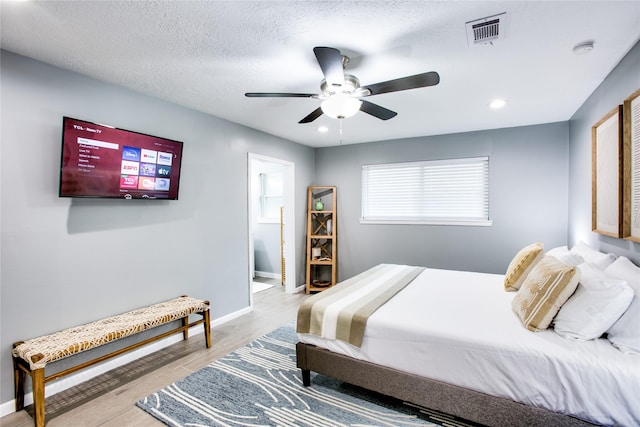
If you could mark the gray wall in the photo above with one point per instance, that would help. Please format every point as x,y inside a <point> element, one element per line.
<point>527,191</point>
<point>267,249</point>
<point>621,82</point>
<point>69,261</point>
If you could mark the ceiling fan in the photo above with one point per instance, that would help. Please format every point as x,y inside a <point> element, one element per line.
<point>341,93</point>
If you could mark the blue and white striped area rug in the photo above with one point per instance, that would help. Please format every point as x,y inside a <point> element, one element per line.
<point>259,385</point>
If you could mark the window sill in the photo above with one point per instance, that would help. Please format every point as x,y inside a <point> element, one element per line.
<point>467,223</point>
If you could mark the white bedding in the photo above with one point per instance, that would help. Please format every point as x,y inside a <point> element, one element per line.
<point>458,327</point>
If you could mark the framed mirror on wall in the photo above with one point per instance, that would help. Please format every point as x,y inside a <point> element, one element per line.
<point>606,176</point>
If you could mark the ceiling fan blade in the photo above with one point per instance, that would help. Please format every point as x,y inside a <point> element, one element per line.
<point>430,78</point>
<point>279,95</point>
<point>311,117</point>
<point>376,110</point>
<point>330,61</point>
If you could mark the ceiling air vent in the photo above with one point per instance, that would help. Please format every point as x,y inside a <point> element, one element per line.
<point>487,30</point>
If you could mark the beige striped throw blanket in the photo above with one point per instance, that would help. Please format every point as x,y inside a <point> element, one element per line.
<point>341,312</point>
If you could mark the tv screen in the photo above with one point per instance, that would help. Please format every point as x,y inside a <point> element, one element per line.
<point>103,161</point>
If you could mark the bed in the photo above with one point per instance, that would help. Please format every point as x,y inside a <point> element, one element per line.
<point>451,341</point>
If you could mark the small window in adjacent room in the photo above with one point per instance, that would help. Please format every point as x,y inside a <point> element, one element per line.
<point>270,196</point>
<point>448,192</point>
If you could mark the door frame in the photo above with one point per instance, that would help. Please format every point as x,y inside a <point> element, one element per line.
<point>288,197</point>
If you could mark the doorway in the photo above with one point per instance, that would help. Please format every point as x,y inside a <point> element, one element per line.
<point>259,169</point>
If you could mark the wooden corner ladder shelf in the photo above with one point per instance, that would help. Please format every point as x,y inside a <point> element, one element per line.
<point>322,238</point>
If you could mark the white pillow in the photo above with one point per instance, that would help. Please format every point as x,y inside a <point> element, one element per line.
<point>625,333</point>
<point>558,250</point>
<point>562,253</point>
<point>592,255</point>
<point>597,304</point>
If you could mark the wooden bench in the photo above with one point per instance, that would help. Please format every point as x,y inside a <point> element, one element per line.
<point>31,357</point>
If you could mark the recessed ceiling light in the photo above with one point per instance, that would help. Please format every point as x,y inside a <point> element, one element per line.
<point>584,47</point>
<point>497,104</point>
<point>323,129</point>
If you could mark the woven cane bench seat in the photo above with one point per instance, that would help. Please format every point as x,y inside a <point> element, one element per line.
<point>31,356</point>
<point>48,348</point>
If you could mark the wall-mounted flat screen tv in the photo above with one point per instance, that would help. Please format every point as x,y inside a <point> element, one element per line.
<point>103,161</point>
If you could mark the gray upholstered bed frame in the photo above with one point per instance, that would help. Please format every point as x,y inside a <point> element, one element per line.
<point>464,403</point>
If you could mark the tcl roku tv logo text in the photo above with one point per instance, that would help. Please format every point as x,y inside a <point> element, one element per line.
<point>88,129</point>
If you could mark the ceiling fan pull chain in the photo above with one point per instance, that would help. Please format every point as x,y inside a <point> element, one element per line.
<point>340,131</point>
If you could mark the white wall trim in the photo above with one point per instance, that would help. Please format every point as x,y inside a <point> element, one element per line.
<point>268,275</point>
<point>72,380</point>
<point>289,215</point>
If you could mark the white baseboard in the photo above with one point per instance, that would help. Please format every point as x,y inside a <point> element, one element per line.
<point>69,381</point>
<point>268,275</point>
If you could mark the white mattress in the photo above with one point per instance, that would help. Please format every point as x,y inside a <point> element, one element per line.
<point>458,327</point>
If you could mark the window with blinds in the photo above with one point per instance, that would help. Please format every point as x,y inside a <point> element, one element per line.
<point>452,191</point>
<point>271,185</point>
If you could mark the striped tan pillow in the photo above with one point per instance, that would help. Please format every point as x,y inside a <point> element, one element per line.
<point>546,288</point>
<point>521,265</point>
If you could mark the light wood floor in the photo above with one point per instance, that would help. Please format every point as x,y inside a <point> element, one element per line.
<point>109,399</point>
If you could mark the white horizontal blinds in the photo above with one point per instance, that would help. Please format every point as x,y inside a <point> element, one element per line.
<point>388,191</point>
<point>440,191</point>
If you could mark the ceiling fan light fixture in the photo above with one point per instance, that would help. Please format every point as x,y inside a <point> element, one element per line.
<point>341,92</point>
<point>340,106</point>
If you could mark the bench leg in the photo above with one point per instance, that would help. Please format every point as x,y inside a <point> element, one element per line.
<point>19,377</point>
<point>37,380</point>
<point>207,328</point>
<point>185,332</point>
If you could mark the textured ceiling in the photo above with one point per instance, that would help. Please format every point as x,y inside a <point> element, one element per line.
<point>206,54</point>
